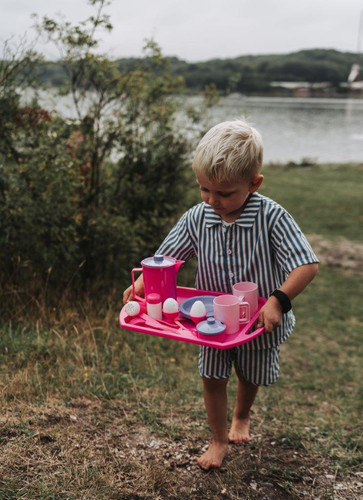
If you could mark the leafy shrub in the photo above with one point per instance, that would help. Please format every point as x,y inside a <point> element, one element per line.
<point>87,198</point>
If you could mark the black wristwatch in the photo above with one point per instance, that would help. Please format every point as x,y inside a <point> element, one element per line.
<point>283,299</point>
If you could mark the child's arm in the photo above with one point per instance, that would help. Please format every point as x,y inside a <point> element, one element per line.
<point>298,279</point>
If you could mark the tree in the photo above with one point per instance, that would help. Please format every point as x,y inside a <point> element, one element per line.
<point>103,187</point>
<point>17,69</point>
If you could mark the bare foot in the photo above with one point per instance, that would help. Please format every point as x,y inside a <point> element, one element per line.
<point>240,430</point>
<point>214,456</point>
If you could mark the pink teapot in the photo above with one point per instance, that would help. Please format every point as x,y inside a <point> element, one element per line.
<point>160,274</point>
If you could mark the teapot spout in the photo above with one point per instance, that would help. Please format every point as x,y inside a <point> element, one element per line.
<point>178,264</point>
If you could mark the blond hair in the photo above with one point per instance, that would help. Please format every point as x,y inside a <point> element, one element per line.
<point>231,151</point>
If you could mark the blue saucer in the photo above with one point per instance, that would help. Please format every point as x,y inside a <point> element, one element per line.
<point>186,305</point>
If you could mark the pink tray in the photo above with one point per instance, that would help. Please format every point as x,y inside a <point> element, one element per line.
<point>184,293</point>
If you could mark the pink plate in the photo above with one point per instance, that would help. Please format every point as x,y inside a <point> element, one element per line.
<point>189,333</point>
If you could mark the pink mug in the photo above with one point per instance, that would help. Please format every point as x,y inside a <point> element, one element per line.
<point>247,291</point>
<point>228,310</point>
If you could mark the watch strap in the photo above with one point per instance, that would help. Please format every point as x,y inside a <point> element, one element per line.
<point>283,299</point>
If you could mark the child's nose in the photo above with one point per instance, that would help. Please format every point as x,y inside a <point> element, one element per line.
<point>213,199</point>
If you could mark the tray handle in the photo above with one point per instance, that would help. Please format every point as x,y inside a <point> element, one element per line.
<point>257,332</point>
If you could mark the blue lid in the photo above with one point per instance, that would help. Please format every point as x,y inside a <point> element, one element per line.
<point>158,261</point>
<point>211,327</point>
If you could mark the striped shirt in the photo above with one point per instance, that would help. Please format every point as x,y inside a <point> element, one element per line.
<point>264,244</point>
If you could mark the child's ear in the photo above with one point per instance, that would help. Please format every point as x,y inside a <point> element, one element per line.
<point>256,182</point>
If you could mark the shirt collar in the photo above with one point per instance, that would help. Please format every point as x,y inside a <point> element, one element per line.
<point>246,219</point>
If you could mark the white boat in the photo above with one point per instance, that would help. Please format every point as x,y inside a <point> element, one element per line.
<point>355,76</point>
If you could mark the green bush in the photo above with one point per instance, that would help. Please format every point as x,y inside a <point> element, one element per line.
<point>86,198</point>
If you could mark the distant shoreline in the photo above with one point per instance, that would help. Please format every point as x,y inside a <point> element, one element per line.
<point>317,71</point>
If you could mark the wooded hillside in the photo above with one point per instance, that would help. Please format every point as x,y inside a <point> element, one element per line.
<point>244,73</point>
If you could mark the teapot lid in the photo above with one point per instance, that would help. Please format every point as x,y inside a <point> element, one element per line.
<point>158,261</point>
<point>211,327</point>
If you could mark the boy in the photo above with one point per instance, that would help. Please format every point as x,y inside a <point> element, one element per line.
<point>239,235</point>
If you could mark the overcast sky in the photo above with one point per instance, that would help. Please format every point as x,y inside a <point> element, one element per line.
<point>199,30</point>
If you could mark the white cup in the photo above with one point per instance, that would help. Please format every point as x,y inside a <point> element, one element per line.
<point>247,291</point>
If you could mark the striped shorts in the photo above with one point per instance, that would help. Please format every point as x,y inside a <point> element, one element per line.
<point>259,366</point>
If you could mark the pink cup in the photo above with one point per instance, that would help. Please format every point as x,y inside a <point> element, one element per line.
<point>227,310</point>
<point>249,291</point>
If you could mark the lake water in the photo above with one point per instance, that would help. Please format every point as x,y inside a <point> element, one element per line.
<point>321,129</point>
<point>318,129</point>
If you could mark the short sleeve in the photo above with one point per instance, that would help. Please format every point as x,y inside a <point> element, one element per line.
<point>179,242</point>
<point>290,246</point>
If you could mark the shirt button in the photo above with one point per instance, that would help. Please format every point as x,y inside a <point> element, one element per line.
<point>229,252</point>
<point>231,275</point>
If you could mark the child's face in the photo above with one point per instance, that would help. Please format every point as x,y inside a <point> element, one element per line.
<point>227,199</point>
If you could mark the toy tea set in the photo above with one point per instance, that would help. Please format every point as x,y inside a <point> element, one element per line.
<point>198,316</point>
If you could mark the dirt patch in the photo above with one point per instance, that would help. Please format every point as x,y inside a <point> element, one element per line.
<point>93,449</point>
<point>341,253</point>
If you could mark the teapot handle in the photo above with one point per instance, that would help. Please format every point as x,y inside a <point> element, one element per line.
<point>139,270</point>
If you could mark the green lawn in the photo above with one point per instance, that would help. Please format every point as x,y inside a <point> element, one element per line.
<point>324,199</point>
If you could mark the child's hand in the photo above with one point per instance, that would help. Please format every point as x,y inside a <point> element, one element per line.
<point>139,290</point>
<point>270,315</point>
<point>127,296</point>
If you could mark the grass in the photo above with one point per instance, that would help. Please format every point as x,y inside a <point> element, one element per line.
<point>91,411</point>
<point>324,199</point>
